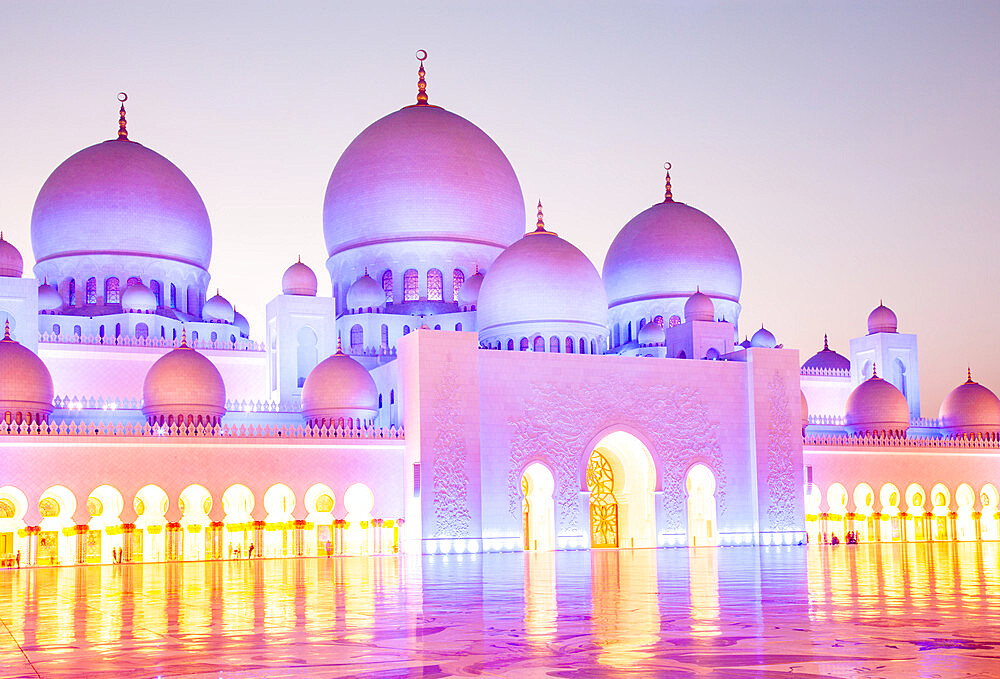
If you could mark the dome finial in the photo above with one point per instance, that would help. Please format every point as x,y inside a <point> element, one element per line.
<point>421,83</point>
<point>300,259</point>
<point>826,346</point>
<point>340,350</point>
<point>184,338</point>
<point>874,371</point>
<point>6,330</point>
<point>668,194</point>
<point>122,131</point>
<point>540,224</point>
<point>969,372</point>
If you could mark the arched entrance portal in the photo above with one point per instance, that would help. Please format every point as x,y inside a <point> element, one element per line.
<point>537,486</point>
<point>700,487</point>
<point>621,479</point>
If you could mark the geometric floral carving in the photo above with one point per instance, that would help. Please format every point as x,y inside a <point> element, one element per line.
<point>452,517</point>
<point>781,486</point>
<point>559,420</point>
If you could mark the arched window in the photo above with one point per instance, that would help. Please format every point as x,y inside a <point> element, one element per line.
<point>56,329</point>
<point>628,332</point>
<point>642,322</point>
<point>357,338</point>
<point>232,339</point>
<point>387,285</point>
<point>174,334</point>
<point>307,355</point>
<point>111,292</point>
<point>385,337</point>
<point>163,332</point>
<point>380,401</point>
<point>554,345</point>
<point>437,327</point>
<point>458,327</point>
<point>71,291</point>
<point>141,331</point>
<point>133,280</point>
<point>118,330</point>
<point>593,346</point>
<point>215,336</point>
<point>675,320</point>
<point>173,296</point>
<point>457,279</point>
<point>194,336</point>
<point>617,336</point>
<point>77,330</point>
<point>435,285</point>
<point>659,321</point>
<point>510,345</point>
<point>406,330</point>
<point>583,346</point>
<point>411,286</point>
<point>392,396</point>
<point>524,344</point>
<point>91,291</point>
<point>154,287</point>
<point>538,344</point>
<point>569,345</point>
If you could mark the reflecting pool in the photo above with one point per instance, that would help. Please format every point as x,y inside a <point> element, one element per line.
<point>870,610</point>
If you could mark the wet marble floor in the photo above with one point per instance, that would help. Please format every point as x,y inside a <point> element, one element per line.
<point>735,612</point>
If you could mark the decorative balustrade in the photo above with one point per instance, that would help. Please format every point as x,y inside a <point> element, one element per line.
<point>840,421</point>
<point>825,372</point>
<point>156,342</point>
<point>207,431</point>
<point>232,405</point>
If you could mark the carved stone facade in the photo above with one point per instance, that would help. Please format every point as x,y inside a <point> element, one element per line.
<point>452,516</point>
<point>782,479</point>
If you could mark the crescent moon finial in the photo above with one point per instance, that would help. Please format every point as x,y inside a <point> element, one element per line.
<point>668,194</point>
<point>122,131</point>
<point>421,83</point>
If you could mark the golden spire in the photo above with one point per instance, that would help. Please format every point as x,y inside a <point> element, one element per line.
<point>874,371</point>
<point>969,380</point>
<point>540,224</point>
<point>826,347</point>
<point>668,194</point>
<point>421,83</point>
<point>6,330</point>
<point>340,350</point>
<point>184,341</point>
<point>122,132</point>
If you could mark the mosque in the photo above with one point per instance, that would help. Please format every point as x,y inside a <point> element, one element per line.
<point>471,385</point>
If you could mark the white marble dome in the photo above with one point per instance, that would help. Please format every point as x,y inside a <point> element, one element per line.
<point>699,307</point>
<point>672,250</point>
<point>241,322</point>
<point>651,334</point>
<point>827,359</point>
<point>120,198</point>
<point>970,409</point>
<point>763,338</point>
<point>881,319</point>
<point>365,293</point>
<point>544,285</point>
<point>11,263</point>
<point>218,310</point>
<point>49,298</point>
<point>25,384</point>
<point>877,407</point>
<point>338,392</point>
<point>422,173</point>
<point>468,294</point>
<point>138,298</point>
<point>183,387</point>
<point>299,279</point>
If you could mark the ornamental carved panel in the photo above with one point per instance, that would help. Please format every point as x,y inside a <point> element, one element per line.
<point>781,477</point>
<point>452,516</point>
<point>558,421</point>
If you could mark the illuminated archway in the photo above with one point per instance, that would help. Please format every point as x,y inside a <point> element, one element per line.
<point>990,520</point>
<point>195,503</point>
<point>537,487</point>
<point>13,506</point>
<point>940,501</point>
<point>916,524</point>
<point>813,500</point>
<point>279,501</point>
<point>57,506</point>
<point>621,478</point>
<point>864,508</point>
<point>237,503</point>
<point>891,529</point>
<point>836,500</point>
<point>700,487</point>
<point>105,505</point>
<point>320,503</point>
<point>358,501</point>
<point>149,537</point>
<point>965,525</point>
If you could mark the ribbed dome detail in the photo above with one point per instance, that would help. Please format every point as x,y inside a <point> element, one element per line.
<point>365,293</point>
<point>881,319</point>
<point>25,384</point>
<point>970,409</point>
<point>11,262</point>
<point>218,310</point>
<point>339,391</point>
<point>827,359</point>
<point>877,407</point>
<point>699,307</point>
<point>183,387</point>
<point>763,338</point>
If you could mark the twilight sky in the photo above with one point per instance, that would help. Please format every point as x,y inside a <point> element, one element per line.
<point>850,150</point>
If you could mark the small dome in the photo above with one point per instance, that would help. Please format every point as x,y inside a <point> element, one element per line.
<point>970,409</point>
<point>299,279</point>
<point>11,264</point>
<point>25,384</point>
<point>138,297</point>
<point>763,339</point>
<point>699,307</point>
<point>468,294</point>
<point>805,410</point>
<point>365,293</point>
<point>183,387</point>
<point>651,333</point>
<point>241,322</point>
<point>218,310</point>
<point>882,319</point>
<point>827,359</point>
<point>49,298</point>
<point>745,343</point>
<point>877,407</point>
<point>542,283</point>
<point>339,390</point>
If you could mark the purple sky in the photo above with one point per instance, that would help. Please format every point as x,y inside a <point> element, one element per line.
<point>850,150</point>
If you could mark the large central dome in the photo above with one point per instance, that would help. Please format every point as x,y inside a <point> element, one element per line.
<point>120,198</point>
<point>422,173</point>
